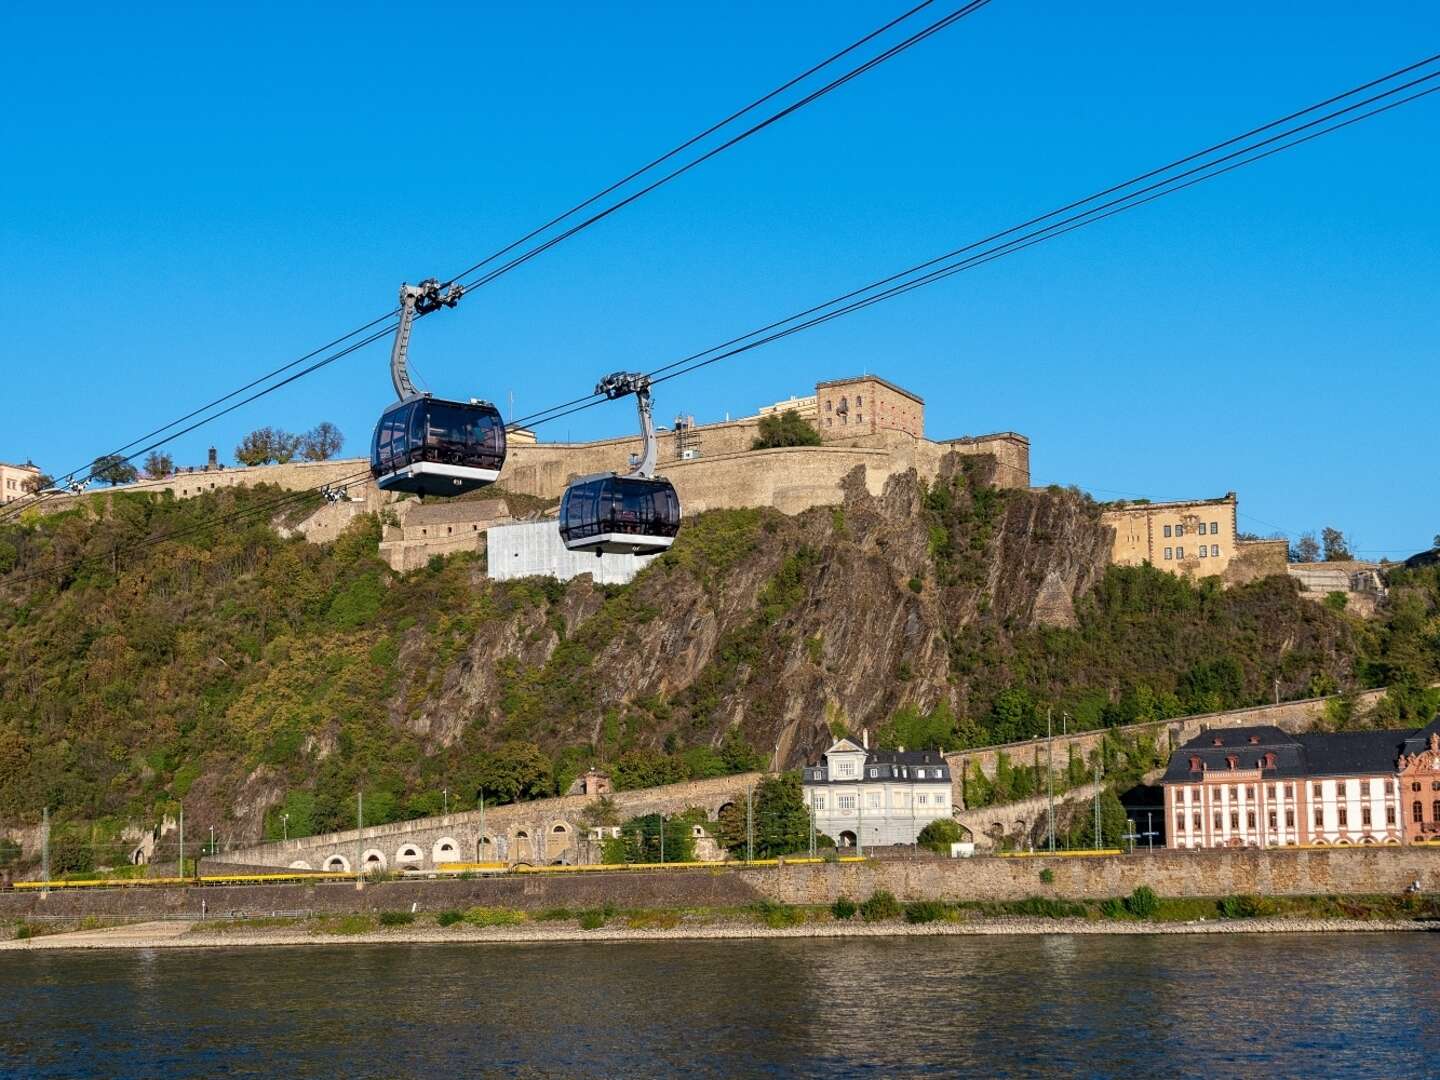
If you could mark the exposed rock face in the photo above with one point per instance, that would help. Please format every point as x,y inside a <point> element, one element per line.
<point>776,626</point>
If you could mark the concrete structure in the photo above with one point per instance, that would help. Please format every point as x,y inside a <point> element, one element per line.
<point>874,798</point>
<point>865,405</point>
<point>15,480</point>
<point>1261,787</point>
<point>1361,583</point>
<point>541,832</point>
<point>534,549</point>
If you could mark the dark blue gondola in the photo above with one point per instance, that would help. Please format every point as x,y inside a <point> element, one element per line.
<point>428,445</point>
<point>633,514</point>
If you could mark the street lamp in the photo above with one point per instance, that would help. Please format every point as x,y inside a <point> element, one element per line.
<point>445,795</point>
<point>285,826</point>
<point>212,839</point>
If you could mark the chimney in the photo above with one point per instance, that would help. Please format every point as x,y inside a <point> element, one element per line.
<point>865,738</point>
<point>213,462</point>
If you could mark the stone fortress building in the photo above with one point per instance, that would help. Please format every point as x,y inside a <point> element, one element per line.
<point>15,481</point>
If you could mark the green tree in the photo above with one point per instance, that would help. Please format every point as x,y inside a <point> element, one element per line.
<point>37,483</point>
<point>71,853</point>
<point>1337,548</point>
<point>644,769</point>
<point>787,429</point>
<point>158,464</point>
<point>780,819</point>
<point>113,469</point>
<point>1306,549</point>
<point>939,834</point>
<point>267,446</point>
<point>321,443</point>
<point>1081,834</point>
<point>516,771</point>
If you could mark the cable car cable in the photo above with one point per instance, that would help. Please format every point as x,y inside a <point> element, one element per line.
<point>1096,213</point>
<point>834,57</point>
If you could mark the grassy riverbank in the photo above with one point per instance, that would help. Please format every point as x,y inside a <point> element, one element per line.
<point>878,915</point>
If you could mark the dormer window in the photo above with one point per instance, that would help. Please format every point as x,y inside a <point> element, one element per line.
<point>1254,740</point>
<point>1217,741</point>
<point>1195,763</point>
<point>1269,760</point>
<point>1232,761</point>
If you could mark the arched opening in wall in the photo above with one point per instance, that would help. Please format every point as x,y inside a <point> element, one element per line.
<point>337,864</point>
<point>485,849</point>
<point>522,845</point>
<point>1320,843</point>
<point>1342,843</point>
<point>1367,840</point>
<point>847,839</point>
<point>137,857</point>
<point>725,808</point>
<point>372,861</point>
<point>557,840</point>
<point>1392,840</point>
<point>299,864</point>
<point>445,850</point>
<point>409,855</point>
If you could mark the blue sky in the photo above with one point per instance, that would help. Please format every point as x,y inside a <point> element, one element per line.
<point>190,197</point>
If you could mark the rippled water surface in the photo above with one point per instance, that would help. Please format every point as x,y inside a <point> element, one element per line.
<point>1242,1005</point>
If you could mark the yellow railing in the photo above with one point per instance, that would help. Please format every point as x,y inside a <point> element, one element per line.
<point>208,879</point>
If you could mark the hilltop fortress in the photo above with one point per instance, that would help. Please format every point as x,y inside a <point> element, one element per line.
<point>865,421</point>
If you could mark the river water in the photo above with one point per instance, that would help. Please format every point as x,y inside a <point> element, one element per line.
<point>1201,1006</point>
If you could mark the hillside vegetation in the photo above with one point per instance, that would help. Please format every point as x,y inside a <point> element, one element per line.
<point>254,676</point>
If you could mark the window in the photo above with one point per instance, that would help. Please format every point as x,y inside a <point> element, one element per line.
<point>1215,550</point>
<point>827,406</point>
<point>845,802</point>
<point>872,800</point>
<point>828,421</point>
<point>1289,819</point>
<point>1203,551</point>
<point>1179,530</point>
<point>1250,792</point>
<point>1415,786</point>
<point>1250,819</point>
<point>818,800</point>
<point>1290,791</point>
<point>1200,528</point>
<point>1214,528</point>
<point>1234,819</point>
<point>874,773</point>
<point>1220,820</point>
<point>1274,820</point>
<point>1315,790</point>
<point>1417,812</point>
<point>1435,810</point>
<point>1435,785</point>
<point>859,400</point>
<point>1167,530</point>
<point>1389,815</point>
<point>1344,816</point>
<point>1179,553</point>
<point>1169,553</point>
<point>1319,817</point>
<point>859,417</point>
<point>1365,816</point>
<point>922,799</point>
<point>1197,820</point>
<point>1270,791</point>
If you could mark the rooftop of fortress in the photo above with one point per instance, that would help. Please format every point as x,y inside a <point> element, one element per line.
<point>871,378</point>
<point>1139,505</point>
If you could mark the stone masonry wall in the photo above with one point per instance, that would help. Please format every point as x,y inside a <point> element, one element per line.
<point>1332,871</point>
<point>539,832</point>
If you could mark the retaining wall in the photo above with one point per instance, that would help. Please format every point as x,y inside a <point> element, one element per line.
<point>1334,871</point>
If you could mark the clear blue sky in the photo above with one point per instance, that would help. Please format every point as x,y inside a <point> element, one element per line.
<point>189,197</point>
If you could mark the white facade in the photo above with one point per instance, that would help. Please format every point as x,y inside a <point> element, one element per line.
<point>863,798</point>
<point>534,549</point>
<point>1241,809</point>
<point>13,481</point>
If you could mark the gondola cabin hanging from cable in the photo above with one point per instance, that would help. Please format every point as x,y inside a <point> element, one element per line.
<point>634,514</point>
<point>424,444</point>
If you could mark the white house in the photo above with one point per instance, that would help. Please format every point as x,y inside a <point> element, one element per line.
<point>863,798</point>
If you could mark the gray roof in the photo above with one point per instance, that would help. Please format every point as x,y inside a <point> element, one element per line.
<point>1339,753</point>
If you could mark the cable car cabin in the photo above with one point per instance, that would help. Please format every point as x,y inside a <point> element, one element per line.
<point>627,515</point>
<point>433,447</point>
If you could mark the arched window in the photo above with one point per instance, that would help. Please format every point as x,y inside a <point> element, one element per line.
<point>558,829</point>
<point>1435,810</point>
<point>1417,812</point>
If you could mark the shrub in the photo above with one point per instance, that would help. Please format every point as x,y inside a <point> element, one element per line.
<point>449,918</point>
<point>1246,907</point>
<point>843,908</point>
<point>1047,876</point>
<point>494,916</point>
<point>777,916</point>
<point>1113,908</point>
<point>881,906</point>
<point>22,931</point>
<point>396,918</point>
<point>350,924</point>
<point>592,920</point>
<point>923,911</point>
<point>1143,903</point>
<point>940,834</point>
<point>555,914</point>
<point>916,585</point>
